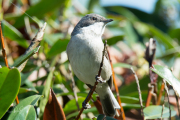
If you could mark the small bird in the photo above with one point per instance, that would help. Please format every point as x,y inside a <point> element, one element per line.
<point>85,55</point>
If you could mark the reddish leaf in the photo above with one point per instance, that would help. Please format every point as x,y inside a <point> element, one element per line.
<point>53,109</point>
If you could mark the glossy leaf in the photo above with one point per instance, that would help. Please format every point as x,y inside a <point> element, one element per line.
<point>58,47</point>
<point>27,113</point>
<point>154,112</point>
<point>25,102</point>
<point>53,109</point>
<point>9,86</point>
<point>168,76</point>
<point>13,34</point>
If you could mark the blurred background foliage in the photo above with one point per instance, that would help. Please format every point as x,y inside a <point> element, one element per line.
<point>127,36</point>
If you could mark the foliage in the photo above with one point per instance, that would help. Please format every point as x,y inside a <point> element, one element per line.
<point>49,67</point>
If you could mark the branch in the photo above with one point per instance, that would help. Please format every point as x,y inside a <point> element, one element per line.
<point>139,91</point>
<point>166,88</point>
<point>160,93</point>
<point>163,106</point>
<point>94,87</point>
<point>4,54</point>
<point>34,44</point>
<point>116,88</point>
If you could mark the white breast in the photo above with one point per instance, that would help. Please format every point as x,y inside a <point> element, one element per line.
<point>85,56</point>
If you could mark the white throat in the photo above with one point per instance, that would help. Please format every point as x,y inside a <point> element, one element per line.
<point>95,29</point>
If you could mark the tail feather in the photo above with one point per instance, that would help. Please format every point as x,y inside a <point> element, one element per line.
<point>108,101</point>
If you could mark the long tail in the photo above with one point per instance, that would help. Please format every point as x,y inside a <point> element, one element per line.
<point>108,101</point>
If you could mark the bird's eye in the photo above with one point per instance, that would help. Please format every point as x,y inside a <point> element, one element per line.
<point>94,18</point>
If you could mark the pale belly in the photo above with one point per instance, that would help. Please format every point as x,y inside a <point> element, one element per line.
<point>85,59</point>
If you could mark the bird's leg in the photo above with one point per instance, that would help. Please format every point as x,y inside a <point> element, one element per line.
<point>84,104</point>
<point>87,105</point>
<point>99,79</point>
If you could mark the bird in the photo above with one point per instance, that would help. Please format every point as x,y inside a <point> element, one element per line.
<point>84,52</point>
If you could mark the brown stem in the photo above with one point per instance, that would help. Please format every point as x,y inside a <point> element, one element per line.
<point>116,88</point>
<point>160,94</point>
<point>4,55</point>
<point>94,87</point>
<point>139,91</point>
<point>3,47</point>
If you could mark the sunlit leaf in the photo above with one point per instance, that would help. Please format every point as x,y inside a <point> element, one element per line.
<point>154,112</point>
<point>27,113</point>
<point>9,86</point>
<point>25,102</point>
<point>168,76</point>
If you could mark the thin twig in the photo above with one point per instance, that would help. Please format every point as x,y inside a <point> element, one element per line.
<point>94,87</point>
<point>34,43</point>
<point>163,106</point>
<point>166,88</point>
<point>116,88</point>
<point>73,87</point>
<point>160,93</point>
<point>139,91</point>
<point>177,101</point>
<point>3,47</point>
<point>4,55</point>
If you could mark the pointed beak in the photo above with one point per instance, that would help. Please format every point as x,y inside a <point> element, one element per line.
<point>107,21</point>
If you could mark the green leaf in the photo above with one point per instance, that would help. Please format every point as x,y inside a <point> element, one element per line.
<point>58,47</point>
<point>38,10</point>
<point>115,39</point>
<point>13,34</point>
<point>93,109</point>
<point>168,76</point>
<point>23,58</point>
<point>101,117</point>
<point>123,65</point>
<point>52,38</point>
<point>163,38</point>
<point>154,112</point>
<point>9,86</point>
<point>24,90</point>
<point>27,113</point>
<point>27,101</point>
<point>45,92</point>
<point>131,88</point>
<point>71,105</point>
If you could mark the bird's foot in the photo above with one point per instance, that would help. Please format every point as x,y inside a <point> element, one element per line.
<point>99,79</point>
<point>86,106</point>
